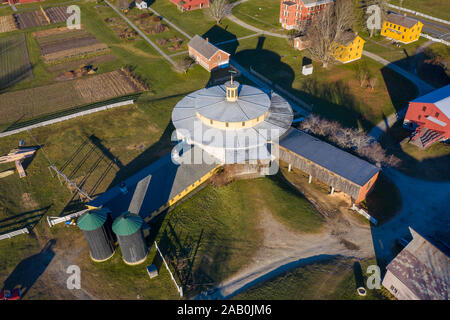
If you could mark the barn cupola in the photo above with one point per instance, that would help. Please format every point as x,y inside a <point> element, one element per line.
<point>232,90</point>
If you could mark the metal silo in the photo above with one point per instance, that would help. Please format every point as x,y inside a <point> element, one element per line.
<point>127,228</point>
<point>93,224</point>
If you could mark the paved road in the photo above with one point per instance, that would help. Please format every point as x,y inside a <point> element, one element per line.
<point>165,56</point>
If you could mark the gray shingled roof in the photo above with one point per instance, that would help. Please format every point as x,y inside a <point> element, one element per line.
<point>327,156</point>
<point>401,20</point>
<point>423,268</point>
<point>311,3</point>
<point>205,48</point>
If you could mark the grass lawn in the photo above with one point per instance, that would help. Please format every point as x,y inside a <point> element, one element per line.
<point>263,14</point>
<point>333,279</point>
<point>436,8</point>
<point>334,92</point>
<point>197,21</point>
<point>15,64</point>
<point>224,221</point>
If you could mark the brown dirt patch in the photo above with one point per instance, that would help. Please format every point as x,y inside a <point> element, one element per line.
<point>28,202</point>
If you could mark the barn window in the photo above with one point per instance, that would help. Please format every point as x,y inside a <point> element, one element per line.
<point>226,124</point>
<point>419,117</point>
<point>424,108</point>
<point>437,115</point>
<point>210,122</point>
<point>218,57</point>
<point>394,289</point>
<point>243,123</point>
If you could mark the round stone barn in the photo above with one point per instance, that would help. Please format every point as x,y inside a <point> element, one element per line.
<point>233,122</point>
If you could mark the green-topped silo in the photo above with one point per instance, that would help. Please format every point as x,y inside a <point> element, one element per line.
<point>128,229</point>
<point>93,224</point>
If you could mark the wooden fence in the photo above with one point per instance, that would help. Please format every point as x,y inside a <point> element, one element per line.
<point>179,288</point>
<point>13,234</point>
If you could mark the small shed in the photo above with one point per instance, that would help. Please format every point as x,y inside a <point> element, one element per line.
<point>307,69</point>
<point>140,4</point>
<point>208,55</point>
<point>301,43</point>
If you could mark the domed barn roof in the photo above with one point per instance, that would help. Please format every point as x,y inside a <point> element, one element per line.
<point>127,224</point>
<point>93,219</point>
<point>247,122</point>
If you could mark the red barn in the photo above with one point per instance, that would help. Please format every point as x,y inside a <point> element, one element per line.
<point>207,55</point>
<point>187,5</point>
<point>297,13</point>
<point>429,117</point>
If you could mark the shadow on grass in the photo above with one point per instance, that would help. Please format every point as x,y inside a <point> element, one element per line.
<point>27,219</point>
<point>28,271</point>
<point>429,168</point>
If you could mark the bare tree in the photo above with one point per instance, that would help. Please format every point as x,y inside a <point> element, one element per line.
<point>328,28</point>
<point>355,140</point>
<point>372,83</point>
<point>362,76</point>
<point>219,9</point>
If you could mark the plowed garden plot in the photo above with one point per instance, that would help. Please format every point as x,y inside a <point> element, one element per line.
<point>30,19</point>
<point>64,43</point>
<point>14,61</point>
<point>57,14</point>
<point>7,24</point>
<point>18,106</point>
<point>106,86</point>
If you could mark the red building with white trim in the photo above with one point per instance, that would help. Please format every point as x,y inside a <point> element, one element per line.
<point>208,55</point>
<point>429,117</point>
<point>297,13</point>
<point>187,5</point>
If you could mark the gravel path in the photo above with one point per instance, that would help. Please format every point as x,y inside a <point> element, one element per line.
<point>284,249</point>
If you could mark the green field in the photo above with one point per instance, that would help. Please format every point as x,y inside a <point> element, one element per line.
<point>263,14</point>
<point>435,8</point>
<point>15,63</point>
<point>197,21</point>
<point>331,278</point>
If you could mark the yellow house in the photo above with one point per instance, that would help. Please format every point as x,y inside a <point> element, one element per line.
<point>350,49</point>
<point>401,28</point>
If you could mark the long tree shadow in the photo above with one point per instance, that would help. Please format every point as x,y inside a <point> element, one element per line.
<point>28,271</point>
<point>333,101</point>
<point>27,220</point>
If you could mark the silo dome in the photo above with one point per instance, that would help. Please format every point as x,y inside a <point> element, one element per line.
<point>98,237</point>
<point>128,229</point>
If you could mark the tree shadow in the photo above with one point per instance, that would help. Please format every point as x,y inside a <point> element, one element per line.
<point>429,168</point>
<point>27,220</point>
<point>28,271</point>
<point>333,101</point>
